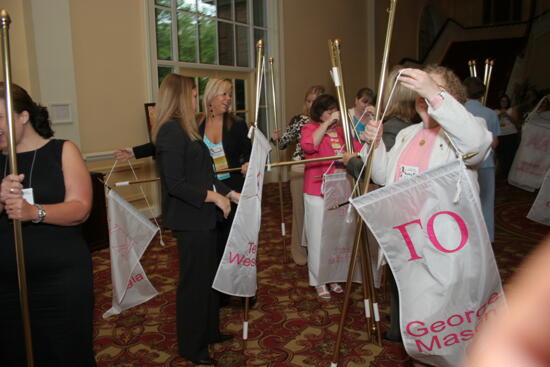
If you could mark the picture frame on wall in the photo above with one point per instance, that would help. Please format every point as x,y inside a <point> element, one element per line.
<point>150,118</point>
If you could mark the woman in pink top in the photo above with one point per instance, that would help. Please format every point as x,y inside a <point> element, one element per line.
<point>322,137</point>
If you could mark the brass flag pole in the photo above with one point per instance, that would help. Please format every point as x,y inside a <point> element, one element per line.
<point>280,173</point>
<point>489,63</point>
<point>375,326</point>
<point>260,62</point>
<point>336,72</point>
<point>277,164</point>
<point>12,156</point>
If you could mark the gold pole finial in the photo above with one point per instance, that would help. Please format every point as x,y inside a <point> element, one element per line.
<point>260,43</point>
<point>4,18</point>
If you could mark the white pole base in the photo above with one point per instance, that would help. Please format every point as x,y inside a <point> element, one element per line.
<point>245,330</point>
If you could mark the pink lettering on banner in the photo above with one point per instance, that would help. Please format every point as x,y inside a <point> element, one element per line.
<point>430,336</point>
<point>244,260</point>
<point>135,279</point>
<point>538,142</point>
<point>461,226</point>
<point>124,242</point>
<point>402,228</point>
<point>431,234</point>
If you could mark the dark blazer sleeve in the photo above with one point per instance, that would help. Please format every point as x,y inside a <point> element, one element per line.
<point>171,145</point>
<point>144,150</point>
<point>354,167</point>
<point>221,187</point>
<point>241,134</point>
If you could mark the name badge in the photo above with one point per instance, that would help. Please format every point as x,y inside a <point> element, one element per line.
<point>28,195</point>
<point>408,171</point>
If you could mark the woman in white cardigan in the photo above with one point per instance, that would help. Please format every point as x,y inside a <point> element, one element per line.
<point>444,119</point>
<point>447,131</point>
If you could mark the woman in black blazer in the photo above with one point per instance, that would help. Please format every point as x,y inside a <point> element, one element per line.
<point>193,199</point>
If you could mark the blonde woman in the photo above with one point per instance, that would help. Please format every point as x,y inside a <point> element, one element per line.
<point>293,134</point>
<point>192,199</point>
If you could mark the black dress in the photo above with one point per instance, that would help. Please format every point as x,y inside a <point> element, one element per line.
<point>59,275</point>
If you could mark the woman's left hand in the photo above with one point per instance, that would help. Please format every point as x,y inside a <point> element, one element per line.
<point>347,156</point>
<point>420,82</point>
<point>244,168</point>
<point>20,209</point>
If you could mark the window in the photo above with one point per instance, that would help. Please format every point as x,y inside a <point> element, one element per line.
<point>212,35</point>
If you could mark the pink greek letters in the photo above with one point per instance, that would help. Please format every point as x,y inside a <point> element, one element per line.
<point>431,234</point>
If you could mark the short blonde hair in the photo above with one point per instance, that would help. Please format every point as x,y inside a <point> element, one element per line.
<point>403,99</point>
<point>175,101</point>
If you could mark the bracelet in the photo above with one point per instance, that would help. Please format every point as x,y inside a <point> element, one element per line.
<point>41,214</point>
<point>439,97</point>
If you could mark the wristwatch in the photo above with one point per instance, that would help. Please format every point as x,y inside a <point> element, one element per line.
<point>41,214</point>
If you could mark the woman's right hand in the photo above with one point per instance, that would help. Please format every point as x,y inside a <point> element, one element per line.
<point>123,154</point>
<point>11,187</point>
<point>276,134</point>
<point>224,204</point>
<point>373,132</point>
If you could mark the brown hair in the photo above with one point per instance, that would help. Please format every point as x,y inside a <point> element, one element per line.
<point>365,92</point>
<point>474,87</point>
<point>38,115</point>
<point>403,99</point>
<point>314,89</point>
<point>454,86</point>
<point>175,101</point>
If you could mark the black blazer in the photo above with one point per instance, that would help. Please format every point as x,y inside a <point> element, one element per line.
<point>186,173</point>
<point>237,147</point>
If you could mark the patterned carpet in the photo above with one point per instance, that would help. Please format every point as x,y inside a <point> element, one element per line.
<point>289,325</point>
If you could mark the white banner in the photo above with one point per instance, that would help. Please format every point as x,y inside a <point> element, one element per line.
<point>431,230</point>
<point>540,211</point>
<point>338,231</point>
<point>130,233</point>
<point>532,159</point>
<point>236,274</point>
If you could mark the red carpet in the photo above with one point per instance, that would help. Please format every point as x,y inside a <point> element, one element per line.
<point>289,326</point>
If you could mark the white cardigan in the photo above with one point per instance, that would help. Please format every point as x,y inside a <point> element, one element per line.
<point>468,133</point>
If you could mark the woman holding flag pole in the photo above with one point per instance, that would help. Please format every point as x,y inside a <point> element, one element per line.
<point>323,136</point>
<point>51,197</point>
<point>193,199</point>
<point>446,132</point>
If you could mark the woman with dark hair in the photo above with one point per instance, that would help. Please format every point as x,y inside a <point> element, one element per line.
<point>51,197</point>
<point>293,134</point>
<point>192,200</point>
<point>322,137</point>
<point>509,136</point>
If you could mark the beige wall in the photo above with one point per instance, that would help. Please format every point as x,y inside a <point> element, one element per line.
<point>307,26</point>
<point>23,58</point>
<point>111,72</point>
